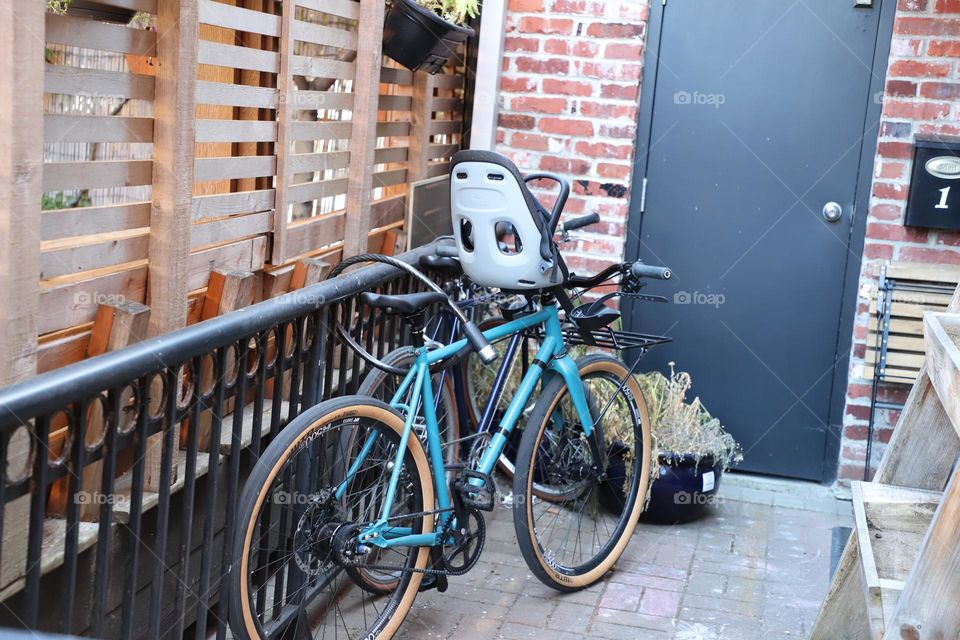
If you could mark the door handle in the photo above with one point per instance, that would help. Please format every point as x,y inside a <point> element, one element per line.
<point>832,212</point>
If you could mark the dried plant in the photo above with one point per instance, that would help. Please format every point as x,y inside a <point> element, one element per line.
<point>58,6</point>
<point>685,428</point>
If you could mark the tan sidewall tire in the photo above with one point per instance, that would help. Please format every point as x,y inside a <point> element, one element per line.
<point>393,421</point>
<point>568,582</point>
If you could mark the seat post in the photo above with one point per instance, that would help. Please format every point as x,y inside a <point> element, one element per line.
<point>417,323</point>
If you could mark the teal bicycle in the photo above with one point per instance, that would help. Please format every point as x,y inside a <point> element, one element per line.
<point>354,508</point>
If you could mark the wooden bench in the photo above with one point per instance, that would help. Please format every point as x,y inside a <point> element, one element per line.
<point>895,348</point>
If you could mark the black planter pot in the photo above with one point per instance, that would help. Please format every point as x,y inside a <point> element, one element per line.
<point>100,11</point>
<point>419,39</point>
<point>683,490</point>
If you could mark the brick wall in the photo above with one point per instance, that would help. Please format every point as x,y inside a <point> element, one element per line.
<point>922,96</point>
<point>569,101</point>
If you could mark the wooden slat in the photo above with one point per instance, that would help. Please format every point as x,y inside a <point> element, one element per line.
<point>236,95</point>
<point>320,130</point>
<point>388,178</point>
<point>233,167</point>
<point>308,237</point>
<point>447,105</point>
<point>442,150</point>
<point>238,18</point>
<point>92,34</point>
<point>448,81</point>
<point>421,116</point>
<point>365,128</point>
<point>59,128</point>
<point>66,223</point>
<point>228,204</point>
<point>900,343</point>
<point>231,56</point>
<point>60,176</point>
<point>284,148</point>
<point>109,249</point>
<point>388,211</point>
<point>71,303</point>
<point>392,75</point>
<point>232,228</point>
<point>324,35</point>
<point>435,169</point>
<point>236,131</point>
<point>178,26</point>
<point>941,335</point>
<point>77,81</point>
<point>392,129</point>
<point>897,326</point>
<point>395,103</point>
<point>315,190</point>
<point>343,8</point>
<point>322,67</point>
<point>309,100</point>
<point>391,154</point>
<point>246,255</point>
<point>897,359</point>
<point>945,273</point>
<point>303,162</point>
<point>445,127</point>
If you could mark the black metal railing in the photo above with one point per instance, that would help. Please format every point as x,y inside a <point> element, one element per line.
<point>172,425</point>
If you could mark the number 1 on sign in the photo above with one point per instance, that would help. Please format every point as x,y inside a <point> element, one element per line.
<point>944,193</point>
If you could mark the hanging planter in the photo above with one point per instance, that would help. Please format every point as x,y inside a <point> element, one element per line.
<point>420,38</point>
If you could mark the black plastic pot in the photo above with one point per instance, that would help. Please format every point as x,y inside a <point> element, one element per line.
<point>683,490</point>
<point>100,11</point>
<point>418,38</point>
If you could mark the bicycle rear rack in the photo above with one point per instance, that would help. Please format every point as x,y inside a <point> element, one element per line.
<point>607,338</point>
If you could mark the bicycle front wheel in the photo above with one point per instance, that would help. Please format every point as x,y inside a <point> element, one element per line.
<point>322,476</point>
<point>598,484</point>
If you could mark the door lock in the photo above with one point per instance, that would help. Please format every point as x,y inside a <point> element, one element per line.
<point>832,212</point>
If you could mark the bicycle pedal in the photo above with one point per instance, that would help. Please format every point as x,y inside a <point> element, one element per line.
<point>476,490</point>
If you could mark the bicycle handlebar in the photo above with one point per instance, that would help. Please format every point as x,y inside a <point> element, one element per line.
<point>641,270</point>
<point>579,223</point>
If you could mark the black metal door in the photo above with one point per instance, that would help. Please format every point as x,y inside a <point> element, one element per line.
<point>756,125</point>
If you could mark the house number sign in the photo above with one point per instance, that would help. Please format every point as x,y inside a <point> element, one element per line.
<point>934,201</point>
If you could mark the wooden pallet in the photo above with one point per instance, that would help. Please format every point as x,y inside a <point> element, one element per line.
<point>899,576</point>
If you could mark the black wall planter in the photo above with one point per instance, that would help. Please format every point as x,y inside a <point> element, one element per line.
<point>683,489</point>
<point>419,39</point>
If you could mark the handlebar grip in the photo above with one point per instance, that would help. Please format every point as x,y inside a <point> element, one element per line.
<point>641,270</point>
<point>484,349</point>
<point>582,221</point>
<point>447,251</point>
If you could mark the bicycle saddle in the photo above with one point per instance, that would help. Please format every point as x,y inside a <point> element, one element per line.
<point>406,304</point>
<point>443,264</point>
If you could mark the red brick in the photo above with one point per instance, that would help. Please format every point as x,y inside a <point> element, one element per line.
<point>945,48</point>
<point>940,90</point>
<point>575,205</point>
<point>889,190</point>
<point>616,171</point>
<point>607,110</point>
<point>615,30</point>
<point>926,26</point>
<point>567,87</point>
<point>526,6</point>
<point>551,66</point>
<point>887,212</point>
<point>518,85</point>
<point>850,472</point>
<point>514,121</point>
<point>858,411</point>
<point>532,24</point>
<point>566,126</point>
<point>948,6</point>
<point>625,51</point>
<point>584,49</point>
<point>891,170</point>
<point>604,150</point>
<point>905,47</point>
<point>530,141</point>
<point>902,150</point>
<point>924,254</point>
<point>854,453</point>
<point>912,5</point>
<point>557,46</point>
<point>620,91</point>
<point>595,188</point>
<point>938,129</point>
<point>855,432</point>
<point>539,105</point>
<point>916,110</point>
<point>917,69</point>
<point>628,131</point>
<point>876,251</point>
<point>572,7</point>
<point>891,129</point>
<point>895,233</point>
<point>904,88</point>
<point>612,71</point>
<point>514,43</point>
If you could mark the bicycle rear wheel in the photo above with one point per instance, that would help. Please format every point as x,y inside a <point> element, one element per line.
<point>289,578</point>
<point>598,484</point>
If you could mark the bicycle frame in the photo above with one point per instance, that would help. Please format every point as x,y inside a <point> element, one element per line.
<point>550,358</point>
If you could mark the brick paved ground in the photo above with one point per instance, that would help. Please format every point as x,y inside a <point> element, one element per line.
<point>757,567</point>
